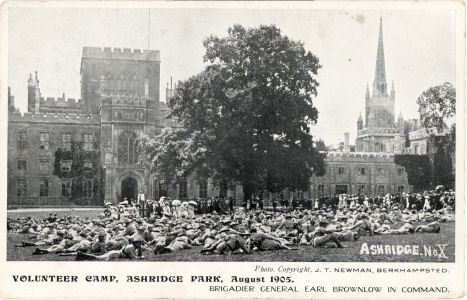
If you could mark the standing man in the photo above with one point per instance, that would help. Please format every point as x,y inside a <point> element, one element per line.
<point>141,202</point>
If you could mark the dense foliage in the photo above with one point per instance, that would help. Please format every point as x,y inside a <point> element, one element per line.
<point>78,173</point>
<point>418,168</point>
<point>246,117</point>
<point>437,108</point>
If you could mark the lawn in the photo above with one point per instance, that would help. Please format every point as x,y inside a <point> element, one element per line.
<point>304,253</point>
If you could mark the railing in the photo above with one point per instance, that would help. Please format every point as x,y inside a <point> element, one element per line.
<point>32,202</point>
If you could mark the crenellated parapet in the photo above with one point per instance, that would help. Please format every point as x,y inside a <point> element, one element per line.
<point>377,131</point>
<point>61,102</point>
<point>360,156</point>
<point>85,119</point>
<point>119,53</point>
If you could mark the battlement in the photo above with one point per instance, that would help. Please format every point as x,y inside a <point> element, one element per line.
<point>377,130</point>
<point>54,118</point>
<point>360,156</point>
<point>119,53</point>
<point>61,102</point>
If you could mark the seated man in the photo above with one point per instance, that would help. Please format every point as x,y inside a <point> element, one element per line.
<point>363,225</point>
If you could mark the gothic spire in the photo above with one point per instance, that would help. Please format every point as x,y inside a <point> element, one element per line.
<point>379,84</point>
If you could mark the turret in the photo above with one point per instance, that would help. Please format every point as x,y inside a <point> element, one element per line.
<point>400,123</point>
<point>34,94</point>
<point>400,119</point>
<point>360,122</point>
<point>11,101</point>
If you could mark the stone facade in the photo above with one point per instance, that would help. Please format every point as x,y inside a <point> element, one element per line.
<point>119,103</point>
<point>360,172</point>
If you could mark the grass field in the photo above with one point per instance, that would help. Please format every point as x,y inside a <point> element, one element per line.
<point>304,253</point>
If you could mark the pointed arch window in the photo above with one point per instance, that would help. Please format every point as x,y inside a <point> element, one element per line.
<point>127,147</point>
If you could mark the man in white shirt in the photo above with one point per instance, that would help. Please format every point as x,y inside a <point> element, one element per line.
<point>141,202</point>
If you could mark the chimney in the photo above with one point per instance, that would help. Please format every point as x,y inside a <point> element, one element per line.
<point>346,142</point>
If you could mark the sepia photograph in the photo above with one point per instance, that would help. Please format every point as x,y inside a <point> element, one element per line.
<point>211,134</point>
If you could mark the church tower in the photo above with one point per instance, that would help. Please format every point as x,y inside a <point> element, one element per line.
<point>380,124</point>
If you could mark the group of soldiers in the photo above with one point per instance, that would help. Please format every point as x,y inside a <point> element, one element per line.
<point>117,234</point>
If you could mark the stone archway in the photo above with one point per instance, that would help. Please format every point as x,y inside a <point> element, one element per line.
<point>128,182</point>
<point>129,189</point>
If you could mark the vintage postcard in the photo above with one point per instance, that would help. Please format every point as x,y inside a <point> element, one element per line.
<point>220,149</point>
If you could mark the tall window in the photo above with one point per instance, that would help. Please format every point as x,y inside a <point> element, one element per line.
<point>127,147</point>
<point>88,145</point>
<point>43,187</point>
<point>132,88</point>
<point>400,189</point>
<point>22,164</point>
<point>203,189</point>
<point>299,194</point>
<point>361,171</point>
<point>21,139</point>
<point>66,188</point>
<point>381,171</point>
<point>21,187</point>
<point>183,189</point>
<point>415,149</point>
<point>44,141</point>
<point>320,189</point>
<point>66,141</point>
<point>44,166</point>
<point>340,170</point>
<point>87,189</point>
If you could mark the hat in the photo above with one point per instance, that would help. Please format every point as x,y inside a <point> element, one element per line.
<point>243,231</point>
<point>223,229</point>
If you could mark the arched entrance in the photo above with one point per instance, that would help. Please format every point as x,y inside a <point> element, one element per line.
<point>129,189</point>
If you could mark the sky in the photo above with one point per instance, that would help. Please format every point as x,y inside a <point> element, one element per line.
<point>419,50</point>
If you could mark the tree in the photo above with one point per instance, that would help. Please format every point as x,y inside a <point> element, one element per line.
<point>321,146</point>
<point>437,108</point>
<point>247,116</point>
